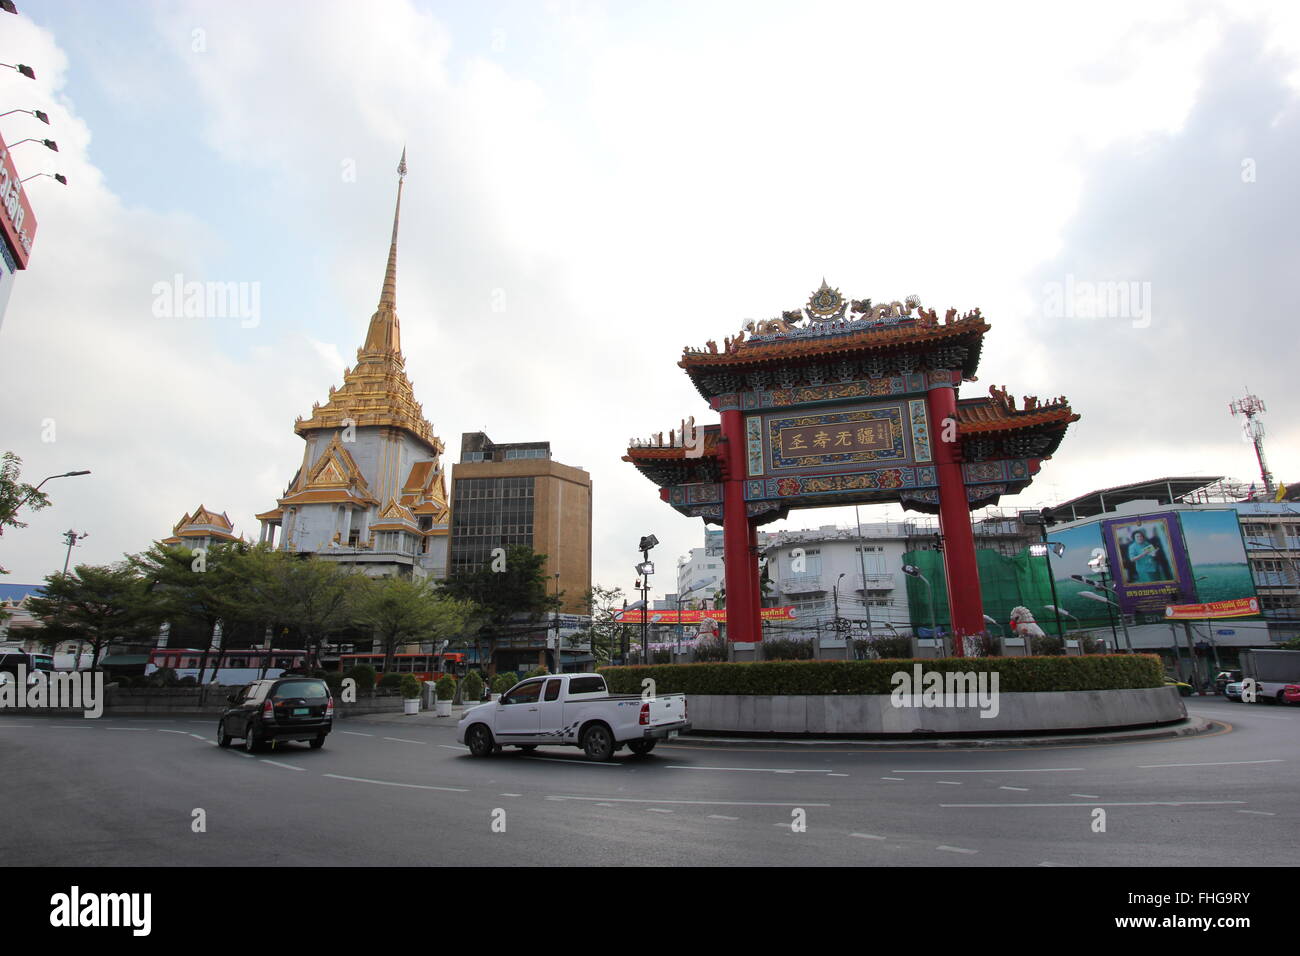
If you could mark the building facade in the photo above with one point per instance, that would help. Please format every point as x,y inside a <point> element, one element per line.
<point>370,491</point>
<point>505,495</point>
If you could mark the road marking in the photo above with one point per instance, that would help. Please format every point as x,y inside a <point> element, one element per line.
<point>390,783</point>
<point>6,724</point>
<point>1026,790</point>
<point>403,740</point>
<point>719,816</point>
<point>1086,796</point>
<point>899,779</point>
<point>1032,770</point>
<point>750,769</point>
<point>1262,813</point>
<point>837,775</point>
<point>183,733</point>
<point>138,729</point>
<point>604,804</point>
<point>355,733</point>
<point>1222,763</point>
<point>1143,803</point>
<point>950,783</point>
<point>660,810</point>
<point>1053,864</point>
<point>510,794</point>
<point>956,849</point>
<point>574,761</point>
<point>866,836</point>
<point>286,766</point>
<point>447,746</point>
<point>198,737</point>
<point>692,803</point>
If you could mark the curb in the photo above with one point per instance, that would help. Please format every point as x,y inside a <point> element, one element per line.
<point>1188,727</point>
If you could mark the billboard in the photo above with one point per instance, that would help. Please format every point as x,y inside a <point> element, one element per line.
<point>1217,555</point>
<point>1148,562</point>
<point>17,223</point>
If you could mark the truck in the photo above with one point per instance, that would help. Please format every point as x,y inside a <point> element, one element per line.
<point>571,710</point>
<point>1271,670</point>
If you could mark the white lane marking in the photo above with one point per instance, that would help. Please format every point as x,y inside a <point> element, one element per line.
<point>693,803</point>
<point>1221,763</point>
<point>1026,790</point>
<point>660,810</point>
<point>198,737</point>
<point>719,816</point>
<point>7,724</point>
<point>899,779</point>
<point>1053,864</point>
<point>286,766</point>
<point>445,746</point>
<point>403,740</point>
<point>1261,813</point>
<point>604,804</point>
<point>509,794</point>
<point>1142,803</point>
<point>1031,770</point>
<point>1087,796</point>
<point>955,849</point>
<point>752,769</point>
<point>139,729</point>
<point>183,733</point>
<point>390,783</point>
<point>950,783</point>
<point>866,836</point>
<point>574,761</point>
<point>354,733</point>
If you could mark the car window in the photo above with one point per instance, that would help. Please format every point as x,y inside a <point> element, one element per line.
<point>553,689</point>
<point>310,689</point>
<point>250,692</point>
<point>586,685</point>
<point>526,693</point>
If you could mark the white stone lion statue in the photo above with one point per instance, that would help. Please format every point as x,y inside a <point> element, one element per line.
<point>1023,624</point>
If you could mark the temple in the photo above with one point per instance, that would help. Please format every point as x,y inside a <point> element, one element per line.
<point>371,490</point>
<point>842,403</point>
<point>201,529</point>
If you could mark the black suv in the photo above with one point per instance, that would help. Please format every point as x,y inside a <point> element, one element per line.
<point>287,708</point>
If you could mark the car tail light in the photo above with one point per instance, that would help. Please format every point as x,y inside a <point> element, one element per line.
<point>268,710</point>
<point>645,713</point>
<point>329,708</point>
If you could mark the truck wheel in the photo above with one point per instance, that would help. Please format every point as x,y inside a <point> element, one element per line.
<point>598,742</point>
<point>641,747</point>
<point>479,739</point>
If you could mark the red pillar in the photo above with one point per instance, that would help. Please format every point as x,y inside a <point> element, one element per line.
<point>965,606</point>
<point>739,563</point>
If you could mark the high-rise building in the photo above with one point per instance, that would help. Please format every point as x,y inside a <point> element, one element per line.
<point>370,491</point>
<point>516,494</point>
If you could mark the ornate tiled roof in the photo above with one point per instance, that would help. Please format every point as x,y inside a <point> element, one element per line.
<point>204,523</point>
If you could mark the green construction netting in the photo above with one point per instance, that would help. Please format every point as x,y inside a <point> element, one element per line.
<point>1005,583</point>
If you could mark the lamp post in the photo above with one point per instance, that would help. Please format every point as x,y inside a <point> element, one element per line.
<point>1094,596</point>
<point>914,571</point>
<point>47,143</point>
<point>1044,550</point>
<point>645,569</point>
<point>1058,611</point>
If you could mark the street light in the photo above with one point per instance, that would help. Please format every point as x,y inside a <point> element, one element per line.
<point>32,494</point>
<point>913,571</point>
<point>58,177</point>
<point>43,117</point>
<point>47,143</point>
<point>22,68</point>
<point>1058,611</point>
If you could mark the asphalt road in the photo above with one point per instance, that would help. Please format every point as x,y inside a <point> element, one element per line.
<point>123,791</point>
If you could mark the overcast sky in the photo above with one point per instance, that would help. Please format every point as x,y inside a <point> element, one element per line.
<point>594,186</point>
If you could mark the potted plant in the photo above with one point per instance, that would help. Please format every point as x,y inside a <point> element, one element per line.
<point>472,688</point>
<point>446,687</point>
<point>410,694</point>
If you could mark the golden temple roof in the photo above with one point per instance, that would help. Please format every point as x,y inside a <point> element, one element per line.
<point>202,524</point>
<point>376,392</point>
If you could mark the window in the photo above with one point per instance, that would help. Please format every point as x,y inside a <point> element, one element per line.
<point>526,693</point>
<point>553,689</point>
<point>586,685</point>
<point>310,689</point>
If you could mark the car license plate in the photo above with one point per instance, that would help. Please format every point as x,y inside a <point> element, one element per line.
<point>300,711</point>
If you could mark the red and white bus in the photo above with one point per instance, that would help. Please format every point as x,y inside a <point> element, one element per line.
<point>423,666</point>
<point>229,667</point>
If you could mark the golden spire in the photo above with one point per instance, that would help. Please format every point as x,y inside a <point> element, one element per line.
<point>385,334</point>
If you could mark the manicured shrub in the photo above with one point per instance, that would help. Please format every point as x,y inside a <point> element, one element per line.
<point>364,675</point>
<point>511,676</point>
<point>1047,645</point>
<point>410,686</point>
<point>502,683</point>
<point>472,687</point>
<point>714,649</point>
<point>1015,674</point>
<point>787,649</point>
<point>446,687</point>
<point>391,681</point>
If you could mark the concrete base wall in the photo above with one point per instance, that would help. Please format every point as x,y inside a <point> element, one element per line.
<point>877,715</point>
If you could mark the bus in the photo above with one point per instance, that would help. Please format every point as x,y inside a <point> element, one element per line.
<point>423,666</point>
<point>227,667</point>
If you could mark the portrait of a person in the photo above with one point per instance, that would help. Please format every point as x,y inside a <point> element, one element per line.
<point>1142,555</point>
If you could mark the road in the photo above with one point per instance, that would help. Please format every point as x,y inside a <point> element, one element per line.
<point>124,791</point>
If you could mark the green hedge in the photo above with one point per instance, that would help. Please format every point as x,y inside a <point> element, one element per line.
<point>1015,674</point>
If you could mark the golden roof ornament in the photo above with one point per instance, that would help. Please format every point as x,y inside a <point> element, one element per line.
<point>826,304</point>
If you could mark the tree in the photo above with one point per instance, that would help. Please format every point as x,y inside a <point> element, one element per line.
<point>103,605</point>
<point>399,610</point>
<point>509,599</point>
<point>15,495</point>
<point>606,632</point>
<point>316,595</point>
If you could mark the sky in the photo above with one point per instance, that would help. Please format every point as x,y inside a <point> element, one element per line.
<point>594,186</point>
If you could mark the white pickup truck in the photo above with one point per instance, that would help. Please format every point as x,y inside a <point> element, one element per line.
<point>574,710</point>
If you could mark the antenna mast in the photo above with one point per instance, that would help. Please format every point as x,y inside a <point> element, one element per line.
<point>1250,407</point>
